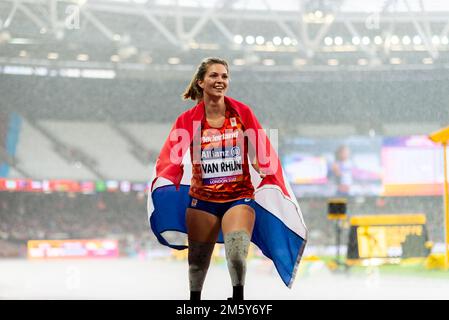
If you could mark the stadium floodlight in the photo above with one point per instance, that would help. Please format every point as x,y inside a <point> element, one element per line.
<point>436,40</point>
<point>406,40</point>
<point>250,40</point>
<point>277,40</point>
<point>442,136</point>
<point>328,41</point>
<point>417,40</point>
<point>287,41</point>
<point>394,39</point>
<point>378,40</point>
<point>338,41</point>
<point>355,41</point>
<point>366,40</point>
<point>238,39</point>
<point>260,40</point>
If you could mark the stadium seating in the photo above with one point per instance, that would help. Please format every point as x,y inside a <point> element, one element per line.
<point>110,152</point>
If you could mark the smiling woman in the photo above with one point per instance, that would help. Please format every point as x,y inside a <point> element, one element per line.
<point>216,202</point>
<point>216,195</point>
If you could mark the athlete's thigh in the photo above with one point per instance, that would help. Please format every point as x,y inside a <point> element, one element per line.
<point>202,226</point>
<point>237,218</point>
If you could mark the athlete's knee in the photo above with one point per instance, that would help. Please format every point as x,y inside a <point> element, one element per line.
<point>236,247</point>
<point>199,259</point>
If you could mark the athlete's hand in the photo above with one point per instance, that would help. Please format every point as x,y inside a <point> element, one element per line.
<point>257,168</point>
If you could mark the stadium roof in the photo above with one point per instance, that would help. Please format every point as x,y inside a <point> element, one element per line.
<point>144,39</point>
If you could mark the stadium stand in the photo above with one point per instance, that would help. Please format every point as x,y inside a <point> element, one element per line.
<point>37,156</point>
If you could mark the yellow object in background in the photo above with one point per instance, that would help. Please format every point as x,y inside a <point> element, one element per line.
<point>442,136</point>
<point>436,261</point>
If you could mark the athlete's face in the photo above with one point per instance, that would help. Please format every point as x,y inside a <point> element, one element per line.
<point>215,81</point>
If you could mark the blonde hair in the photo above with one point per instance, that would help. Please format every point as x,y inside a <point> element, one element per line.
<point>194,91</point>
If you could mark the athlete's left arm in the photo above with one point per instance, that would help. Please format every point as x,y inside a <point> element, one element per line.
<point>256,167</point>
<point>254,163</point>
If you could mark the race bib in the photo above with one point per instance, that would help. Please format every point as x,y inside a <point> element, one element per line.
<point>221,165</point>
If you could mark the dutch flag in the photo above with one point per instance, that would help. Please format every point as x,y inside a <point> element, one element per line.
<point>279,231</point>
